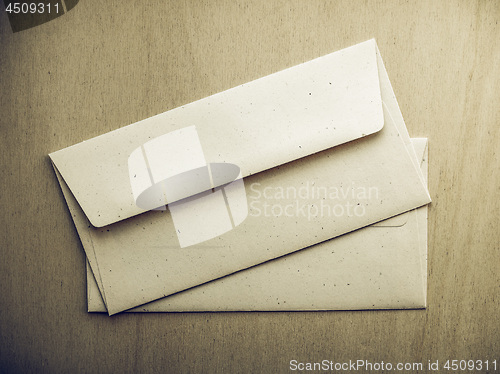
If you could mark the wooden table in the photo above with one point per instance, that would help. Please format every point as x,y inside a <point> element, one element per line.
<point>100,67</point>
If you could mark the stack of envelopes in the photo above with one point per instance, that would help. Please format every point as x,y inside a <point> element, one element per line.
<point>301,190</point>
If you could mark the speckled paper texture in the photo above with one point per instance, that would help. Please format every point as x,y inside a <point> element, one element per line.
<point>138,260</point>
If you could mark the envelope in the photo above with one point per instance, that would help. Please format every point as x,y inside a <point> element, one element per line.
<point>382,266</point>
<point>241,177</point>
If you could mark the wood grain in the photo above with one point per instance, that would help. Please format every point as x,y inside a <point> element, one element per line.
<point>100,67</point>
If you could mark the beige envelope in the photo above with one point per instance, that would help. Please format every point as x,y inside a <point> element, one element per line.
<point>307,154</point>
<point>383,266</point>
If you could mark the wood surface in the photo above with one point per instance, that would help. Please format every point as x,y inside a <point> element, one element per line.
<point>104,65</point>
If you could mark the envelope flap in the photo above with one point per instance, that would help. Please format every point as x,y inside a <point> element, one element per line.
<point>263,124</point>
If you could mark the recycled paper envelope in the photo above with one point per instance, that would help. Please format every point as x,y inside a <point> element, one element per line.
<point>382,266</point>
<point>241,177</point>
